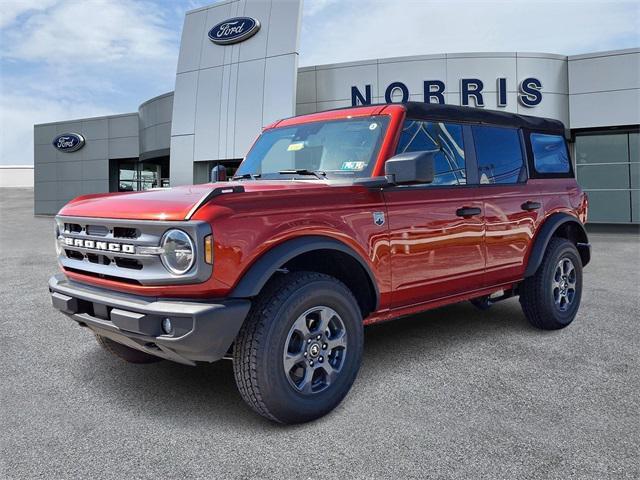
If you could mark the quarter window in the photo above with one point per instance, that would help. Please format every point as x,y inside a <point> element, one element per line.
<point>549,153</point>
<point>445,139</point>
<point>499,154</point>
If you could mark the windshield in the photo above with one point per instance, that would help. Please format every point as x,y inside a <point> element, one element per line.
<point>338,148</point>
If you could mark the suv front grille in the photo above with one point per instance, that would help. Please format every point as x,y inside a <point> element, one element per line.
<point>95,258</point>
<point>72,228</point>
<point>74,254</point>
<point>97,230</point>
<point>110,248</point>
<point>126,232</point>
<point>128,263</point>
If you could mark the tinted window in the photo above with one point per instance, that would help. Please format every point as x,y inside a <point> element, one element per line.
<point>549,153</point>
<point>499,154</point>
<point>443,138</point>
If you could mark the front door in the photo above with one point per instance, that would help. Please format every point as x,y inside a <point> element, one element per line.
<point>436,230</point>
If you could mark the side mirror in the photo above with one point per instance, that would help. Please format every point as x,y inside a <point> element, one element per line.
<point>218,174</point>
<point>410,167</point>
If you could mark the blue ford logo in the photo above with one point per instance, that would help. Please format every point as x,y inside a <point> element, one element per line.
<point>234,30</point>
<point>68,142</point>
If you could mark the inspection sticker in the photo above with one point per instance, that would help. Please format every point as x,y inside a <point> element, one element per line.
<point>353,166</point>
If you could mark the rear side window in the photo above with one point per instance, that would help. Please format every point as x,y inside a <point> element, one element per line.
<point>443,138</point>
<point>549,153</point>
<point>499,155</point>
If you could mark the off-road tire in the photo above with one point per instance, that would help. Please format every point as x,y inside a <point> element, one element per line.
<point>258,363</point>
<point>127,354</point>
<point>537,292</point>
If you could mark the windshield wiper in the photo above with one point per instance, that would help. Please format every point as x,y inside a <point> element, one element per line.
<point>303,171</point>
<point>246,176</point>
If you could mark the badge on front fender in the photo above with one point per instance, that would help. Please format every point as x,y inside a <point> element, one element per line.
<point>378,218</point>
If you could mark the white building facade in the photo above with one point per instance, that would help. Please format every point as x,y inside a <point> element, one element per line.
<point>238,71</point>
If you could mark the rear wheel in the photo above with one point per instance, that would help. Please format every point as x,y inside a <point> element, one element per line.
<point>551,297</point>
<point>300,348</point>
<point>127,354</point>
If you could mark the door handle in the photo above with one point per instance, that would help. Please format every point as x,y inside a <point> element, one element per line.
<point>530,206</point>
<point>468,211</point>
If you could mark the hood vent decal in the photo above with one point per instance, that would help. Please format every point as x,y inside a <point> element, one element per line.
<point>212,194</point>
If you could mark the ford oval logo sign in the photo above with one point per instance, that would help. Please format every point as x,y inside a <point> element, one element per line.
<point>234,30</point>
<point>68,142</point>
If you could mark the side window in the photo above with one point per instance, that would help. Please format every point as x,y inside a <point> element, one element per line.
<point>443,138</point>
<point>549,153</point>
<point>499,154</point>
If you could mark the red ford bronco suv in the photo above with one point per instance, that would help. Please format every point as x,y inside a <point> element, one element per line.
<point>333,221</point>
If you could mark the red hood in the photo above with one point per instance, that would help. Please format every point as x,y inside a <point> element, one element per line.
<point>164,204</point>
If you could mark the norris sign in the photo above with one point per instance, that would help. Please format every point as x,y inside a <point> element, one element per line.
<point>471,92</point>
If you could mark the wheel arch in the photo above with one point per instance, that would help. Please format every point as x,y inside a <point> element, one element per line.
<point>315,253</point>
<point>560,225</point>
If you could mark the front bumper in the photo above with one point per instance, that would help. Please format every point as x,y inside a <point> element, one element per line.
<point>202,331</point>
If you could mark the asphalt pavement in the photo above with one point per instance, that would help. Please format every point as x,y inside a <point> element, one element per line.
<point>452,393</point>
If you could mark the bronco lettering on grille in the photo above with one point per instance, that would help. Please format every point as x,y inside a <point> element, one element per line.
<point>105,246</point>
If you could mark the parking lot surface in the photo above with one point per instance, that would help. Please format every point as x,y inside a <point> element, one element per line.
<point>452,393</point>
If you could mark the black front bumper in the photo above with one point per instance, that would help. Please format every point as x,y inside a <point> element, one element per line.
<point>203,332</point>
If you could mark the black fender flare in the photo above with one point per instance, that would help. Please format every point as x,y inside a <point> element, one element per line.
<point>546,232</point>
<point>270,262</point>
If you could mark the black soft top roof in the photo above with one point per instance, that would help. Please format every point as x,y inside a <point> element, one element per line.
<point>454,113</point>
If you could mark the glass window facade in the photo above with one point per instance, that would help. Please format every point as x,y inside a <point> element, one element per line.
<point>202,170</point>
<point>132,175</point>
<point>608,168</point>
<point>499,154</point>
<point>443,138</point>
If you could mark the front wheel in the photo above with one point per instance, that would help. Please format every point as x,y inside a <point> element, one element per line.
<point>300,348</point>
<point>551,297</point>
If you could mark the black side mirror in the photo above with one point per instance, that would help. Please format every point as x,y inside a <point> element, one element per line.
<point>410,167</point>
<point>218,174</point>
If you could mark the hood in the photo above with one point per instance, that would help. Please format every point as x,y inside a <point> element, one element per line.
<point>173,204</point>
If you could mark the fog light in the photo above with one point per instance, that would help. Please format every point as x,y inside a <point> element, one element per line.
<point>167,327</point>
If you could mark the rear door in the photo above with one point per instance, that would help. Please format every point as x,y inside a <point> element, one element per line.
<point>436,230</point>
<point>512,207</point>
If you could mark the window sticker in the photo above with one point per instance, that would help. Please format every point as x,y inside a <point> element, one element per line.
<point>357,166</point>
<point>294,147</point>
<point>373,126</point>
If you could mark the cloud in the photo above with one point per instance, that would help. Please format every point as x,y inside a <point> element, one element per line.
<point>356,30</point>
<point>97,31</point>
<point>12,9</point>
<point>73,59</point>
<point>314,7</point>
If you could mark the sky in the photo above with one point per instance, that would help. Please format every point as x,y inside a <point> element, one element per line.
<point>66,59</point>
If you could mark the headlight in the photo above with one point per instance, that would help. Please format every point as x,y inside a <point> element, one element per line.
<point>178,253</point>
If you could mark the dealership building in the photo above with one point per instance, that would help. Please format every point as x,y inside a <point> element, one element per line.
<point>238,71</point>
